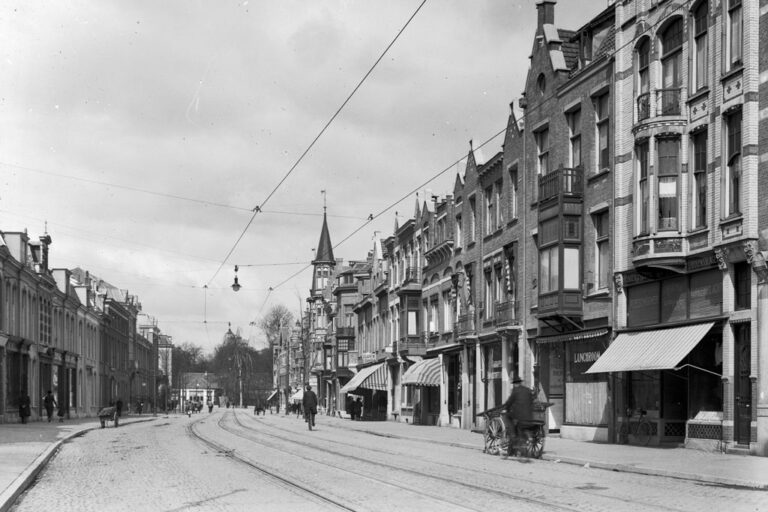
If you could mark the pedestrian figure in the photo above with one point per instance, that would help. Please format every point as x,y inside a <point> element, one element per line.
<point>309,403</point>
<point>139,407</point>
<point>359,408</point>
<point>25,407</point>
<point>519,408</point>
<point>62,412</point>
<point>210,406</point>
<point>119,407</point>
<point>49,402</point>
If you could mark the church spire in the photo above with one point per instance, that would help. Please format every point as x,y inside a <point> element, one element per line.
<point>324,253</point>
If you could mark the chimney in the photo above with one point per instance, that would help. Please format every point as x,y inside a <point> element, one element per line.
<point>45,241</point>
<point>546,9</point>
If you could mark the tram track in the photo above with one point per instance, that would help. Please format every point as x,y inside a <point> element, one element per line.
<point>250,436</point>
<point>272,476</point>
<point>622,501</point>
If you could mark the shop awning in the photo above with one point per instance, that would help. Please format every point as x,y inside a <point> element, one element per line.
<point>298,396</point>
<point>423,373</point>
<point>371,377</point>
<point>272,395</point>
<point>660,349</point>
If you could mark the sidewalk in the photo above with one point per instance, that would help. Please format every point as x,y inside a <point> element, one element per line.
<point>684,463</point>
<point>26,449</point>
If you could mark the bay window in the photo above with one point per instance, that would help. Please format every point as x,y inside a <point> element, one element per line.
<point>669,159</point>
<point>641,153</point>
<point>549,269</point>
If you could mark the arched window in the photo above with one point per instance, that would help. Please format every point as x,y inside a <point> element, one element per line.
<point>699,73</point>
<point>671,64</point>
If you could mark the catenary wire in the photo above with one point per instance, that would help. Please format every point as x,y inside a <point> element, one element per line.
<point>257,209</point>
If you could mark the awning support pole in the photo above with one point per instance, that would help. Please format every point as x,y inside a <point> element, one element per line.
<point>698,368</point>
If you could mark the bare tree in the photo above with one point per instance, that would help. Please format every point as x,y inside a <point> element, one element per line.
<point>277,318</point>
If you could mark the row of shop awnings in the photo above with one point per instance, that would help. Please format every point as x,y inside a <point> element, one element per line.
<point>424,373</point>
<point>661,349</point>
<point>371,377</point>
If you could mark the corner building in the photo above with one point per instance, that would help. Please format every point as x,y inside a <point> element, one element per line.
<point>689,223</point>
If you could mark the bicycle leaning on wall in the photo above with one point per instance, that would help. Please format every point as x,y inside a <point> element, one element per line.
<point>636,424</point>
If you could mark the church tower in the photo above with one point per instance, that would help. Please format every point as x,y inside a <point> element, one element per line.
<point>324,263</point>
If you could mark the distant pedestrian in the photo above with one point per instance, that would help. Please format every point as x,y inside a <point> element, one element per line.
<point>359,408</point>
<point>139,407</point>
<point>25,407</point>
<point>309,403</point>
<point>210,406</point>
<point>49,402</point>
<point>119,407</point>
<point>62,412</point>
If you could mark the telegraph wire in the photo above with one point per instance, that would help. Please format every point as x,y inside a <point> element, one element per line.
<point>258,208</point>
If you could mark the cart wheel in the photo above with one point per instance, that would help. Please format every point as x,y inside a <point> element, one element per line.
<point>494,436</point>
<point>534,445</point>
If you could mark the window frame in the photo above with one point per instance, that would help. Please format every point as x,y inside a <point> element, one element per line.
<point>574,137</point>
<point>666,176</point>
<point>642,157</point>
<point>602,105</point>
<point>733,161</point>
<point>700,53</point>
<point>601,222</point>
<point>734,43</point>
<point>699,187</point>
<point>542,150</point>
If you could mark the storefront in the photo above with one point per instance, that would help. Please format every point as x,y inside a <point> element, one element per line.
<point>371,385</point>
<point>668,362</point>
<point>579,401</point>
<point>423,382</point>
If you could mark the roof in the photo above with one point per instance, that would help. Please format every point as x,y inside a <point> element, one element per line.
<point>569,47</point>
<point>324,252</point>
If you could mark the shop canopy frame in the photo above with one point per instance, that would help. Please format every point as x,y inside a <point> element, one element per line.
<point>371,377</point>
<point>426,372</point>
<point>658,349</point>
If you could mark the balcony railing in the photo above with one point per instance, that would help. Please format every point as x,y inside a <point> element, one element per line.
<point>505,313</point>
<point>644,106</point>
<point>466,324</point>
<point>668,102</point>
<point>561,181</point>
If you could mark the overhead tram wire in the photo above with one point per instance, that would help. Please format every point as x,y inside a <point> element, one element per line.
<point>258,209</point>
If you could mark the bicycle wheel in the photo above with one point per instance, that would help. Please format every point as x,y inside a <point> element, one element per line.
<point>643,433</point>
<point>534,445</point>
<point>494,436</point>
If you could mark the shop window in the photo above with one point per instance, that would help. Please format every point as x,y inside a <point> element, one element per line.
<point>742,284</point>
<point>699,203</point>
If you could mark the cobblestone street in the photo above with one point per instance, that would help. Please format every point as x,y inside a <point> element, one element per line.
<point>160,465</point>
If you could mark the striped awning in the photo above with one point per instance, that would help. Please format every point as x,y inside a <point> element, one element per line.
<point>371,377</point>
<point>423,373</point>
<point>660,349</point>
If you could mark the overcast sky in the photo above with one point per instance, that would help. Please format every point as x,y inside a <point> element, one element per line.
<point>145,132</point>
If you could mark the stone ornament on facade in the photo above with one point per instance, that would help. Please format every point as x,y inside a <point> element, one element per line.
<point>720,255</point>
<point>756,258</point>
<point>618,281</point>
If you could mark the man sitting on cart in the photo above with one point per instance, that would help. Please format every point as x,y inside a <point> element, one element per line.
<point>518,410</point>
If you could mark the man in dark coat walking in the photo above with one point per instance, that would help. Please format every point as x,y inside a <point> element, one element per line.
<point>309,402</point>
<point>49,403</point>
<point>519,408</point>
